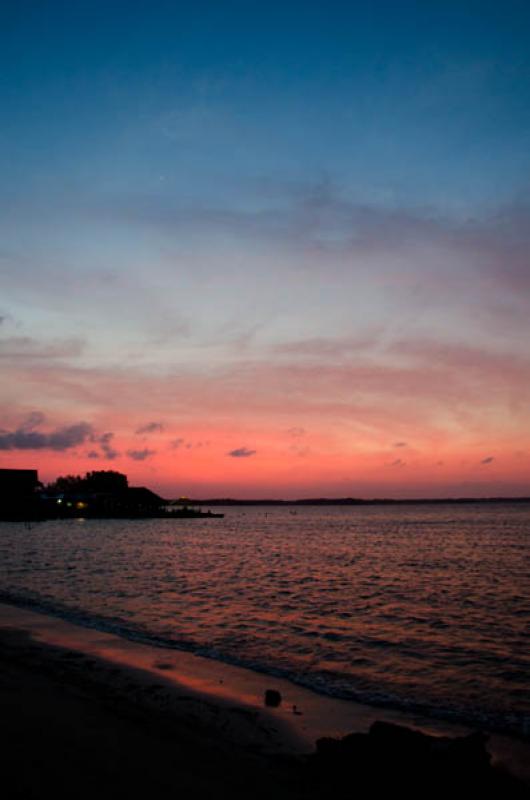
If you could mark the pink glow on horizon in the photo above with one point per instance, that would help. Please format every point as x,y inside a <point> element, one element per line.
<point>429,422</point>
<point>285,466</point>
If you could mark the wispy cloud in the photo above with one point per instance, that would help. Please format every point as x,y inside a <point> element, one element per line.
<point>28,348</point>
<point>150,427</point>
<point>318,217</point>
<point>296,432</point>
<point>324,347</point>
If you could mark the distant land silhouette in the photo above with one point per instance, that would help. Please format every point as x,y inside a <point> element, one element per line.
<point>355,501</point>
<point>106,494</point>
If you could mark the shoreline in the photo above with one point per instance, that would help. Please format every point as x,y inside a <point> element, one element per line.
<point>227,700</point>
<point>337,706</point>
<point>33,515</point>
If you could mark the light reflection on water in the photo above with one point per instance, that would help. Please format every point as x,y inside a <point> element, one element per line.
<point>418,606</point>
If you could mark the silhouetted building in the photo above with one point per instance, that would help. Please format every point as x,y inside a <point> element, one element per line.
<point>18,483</point>
<point>18,492</point>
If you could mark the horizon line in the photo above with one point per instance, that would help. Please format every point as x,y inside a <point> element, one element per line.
<point>353,500</point>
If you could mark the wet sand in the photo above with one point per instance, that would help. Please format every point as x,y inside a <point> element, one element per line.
<point>90,714</point>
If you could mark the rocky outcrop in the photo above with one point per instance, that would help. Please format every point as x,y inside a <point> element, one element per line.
<point>391,757</point>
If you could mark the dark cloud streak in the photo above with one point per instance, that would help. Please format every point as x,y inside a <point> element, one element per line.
<point>60,439</point>
<point>104,440</point>
<point>27,437</point>
<point>241,452</point>
<point>140,455</point>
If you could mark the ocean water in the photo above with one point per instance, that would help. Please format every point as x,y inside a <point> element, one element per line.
<point>424,608</point>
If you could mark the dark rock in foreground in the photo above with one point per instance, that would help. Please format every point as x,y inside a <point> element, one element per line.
<point>272,698</point>
<point>392,756</point>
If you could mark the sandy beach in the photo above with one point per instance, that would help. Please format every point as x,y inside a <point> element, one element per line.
<point>85,727</point>
<point>88,713</point>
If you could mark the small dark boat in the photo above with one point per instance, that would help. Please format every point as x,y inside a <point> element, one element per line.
<point>188,510</point>
<point>191,513</point>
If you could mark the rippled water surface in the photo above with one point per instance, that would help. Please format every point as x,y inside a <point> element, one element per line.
<point>421,607</point>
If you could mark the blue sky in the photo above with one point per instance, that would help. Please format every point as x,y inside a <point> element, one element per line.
<point>399,103</point>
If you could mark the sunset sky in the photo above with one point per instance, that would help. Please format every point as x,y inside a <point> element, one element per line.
<point>263,249</point>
